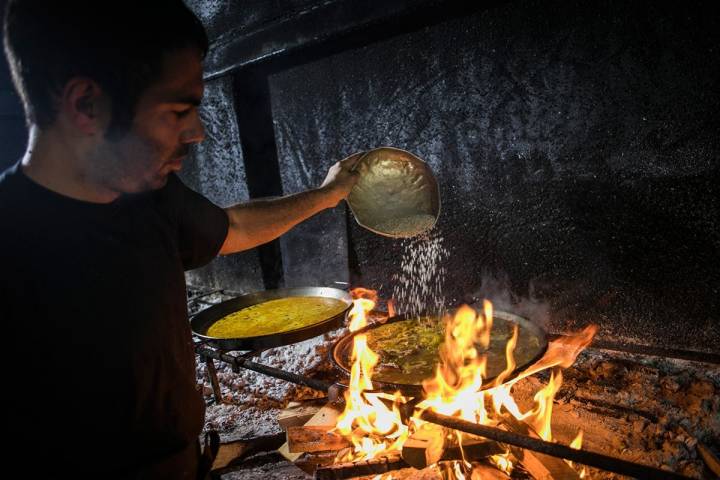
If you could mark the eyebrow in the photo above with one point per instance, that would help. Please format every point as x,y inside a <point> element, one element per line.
<point>190,99</point>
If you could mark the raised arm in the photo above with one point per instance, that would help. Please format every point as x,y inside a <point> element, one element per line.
<point>260,221</point>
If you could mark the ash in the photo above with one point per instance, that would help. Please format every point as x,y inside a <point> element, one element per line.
<point>251,401</point>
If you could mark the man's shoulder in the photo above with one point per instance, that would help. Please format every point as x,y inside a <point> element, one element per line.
<point>8,187</point>
<point>19,202</point>
<point>7,174</point>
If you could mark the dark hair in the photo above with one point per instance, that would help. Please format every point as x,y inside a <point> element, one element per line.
<point>119,44</point>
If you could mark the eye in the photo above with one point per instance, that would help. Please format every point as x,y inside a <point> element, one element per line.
<point>182,112</point>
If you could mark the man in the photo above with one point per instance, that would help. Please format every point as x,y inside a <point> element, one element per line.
<point>96,231</point>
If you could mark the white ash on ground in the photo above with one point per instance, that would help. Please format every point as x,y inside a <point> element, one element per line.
<point>253,400</point>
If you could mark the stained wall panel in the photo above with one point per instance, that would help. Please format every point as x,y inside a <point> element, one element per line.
<point>216,169</point>
<point>316,251</point>
<point>577,153</point>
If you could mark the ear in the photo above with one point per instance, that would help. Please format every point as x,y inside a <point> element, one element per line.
<point>85,105</point>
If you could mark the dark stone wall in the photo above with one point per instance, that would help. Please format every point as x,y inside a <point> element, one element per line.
<point>577,148</point>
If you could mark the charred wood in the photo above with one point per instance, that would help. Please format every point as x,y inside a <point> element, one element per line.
<point>374,466</point>
<point>592,459</point>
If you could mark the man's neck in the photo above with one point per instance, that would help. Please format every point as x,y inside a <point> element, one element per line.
<point>59,165</point>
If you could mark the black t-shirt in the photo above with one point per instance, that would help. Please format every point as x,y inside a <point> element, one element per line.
<point>99,363</point>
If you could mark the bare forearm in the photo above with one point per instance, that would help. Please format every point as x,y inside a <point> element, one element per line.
<point>263,220</point>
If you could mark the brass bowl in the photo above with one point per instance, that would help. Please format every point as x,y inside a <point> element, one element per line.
<point>396,195</point>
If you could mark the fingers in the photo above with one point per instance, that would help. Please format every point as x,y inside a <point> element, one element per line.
<point>351,162</point>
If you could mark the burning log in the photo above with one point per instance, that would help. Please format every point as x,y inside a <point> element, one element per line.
<point>432,443</point>
<point>592,459</point>
<point>540,466</point>
<point>426,446</point>
<point>316,435</point>
<point>487,472</point>
<point>472,449</point>
<point>314,439</point>
<point>375,466</point>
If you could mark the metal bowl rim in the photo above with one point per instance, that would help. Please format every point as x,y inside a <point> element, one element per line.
<point>255,298</point>
<point>435,182</point>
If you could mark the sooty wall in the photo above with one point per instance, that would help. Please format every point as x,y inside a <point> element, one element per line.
<point>577,149</point>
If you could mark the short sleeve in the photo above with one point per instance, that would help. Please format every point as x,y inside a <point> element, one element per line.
<point>202,225</point>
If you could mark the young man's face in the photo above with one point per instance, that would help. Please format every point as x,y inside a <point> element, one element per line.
<point>165,125</point>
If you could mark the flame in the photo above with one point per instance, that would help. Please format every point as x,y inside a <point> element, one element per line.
<point>457,389</point>
<point>364,300</point>
<point>577,442</point>
<point>391,308</point>
<point>373,428</point>
<point>577,445</point>
<point>503,462</point>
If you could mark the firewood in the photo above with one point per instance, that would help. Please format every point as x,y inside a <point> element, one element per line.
<point>426,446</point>
<point>540,466</point>
<point>298,413</point>
<point>589,458</point>
<point>284,450</point>
<point>487,472</point>
<point>373,466</point>
<point>326,416</point>
<point>433,443</point>
<point>231,453</point>
<point>316,435</point>
<point>473,449</point>
<point>314,439</point>
<point>311,462</point>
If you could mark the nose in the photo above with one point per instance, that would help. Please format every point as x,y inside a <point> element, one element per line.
<point>194,132</point>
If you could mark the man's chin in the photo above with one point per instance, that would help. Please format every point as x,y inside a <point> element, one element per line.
<point>155,183</point>
<point>160,181</point>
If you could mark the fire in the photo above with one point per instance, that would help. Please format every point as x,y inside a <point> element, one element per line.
<point>577,444</point>
<point>364,300</point>
<point>458,389</point>
<point>391,308</point>
<point>373,427</point>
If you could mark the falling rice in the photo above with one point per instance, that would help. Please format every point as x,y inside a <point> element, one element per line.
<point>418,287</point>
<point>407,226</point>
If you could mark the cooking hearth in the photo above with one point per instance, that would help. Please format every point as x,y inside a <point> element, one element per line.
<point>640,408</point>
